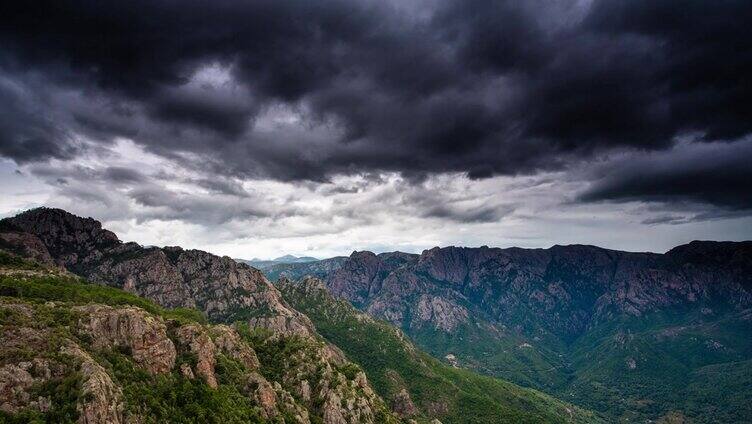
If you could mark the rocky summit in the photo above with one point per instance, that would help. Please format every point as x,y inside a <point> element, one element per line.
<point>172,277</point>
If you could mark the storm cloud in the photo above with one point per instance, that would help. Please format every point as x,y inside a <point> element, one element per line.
<point>719,175</point>
<point>504,87</point>
<point>303,92</point>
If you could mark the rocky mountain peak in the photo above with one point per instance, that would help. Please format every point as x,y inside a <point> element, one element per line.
<point>67,237</point>
<point>312,284</point>
<point>362,255</point>
<point>173,277</point>
<point>713,252</point>
<point>428,253</point>
<point>56,225</point>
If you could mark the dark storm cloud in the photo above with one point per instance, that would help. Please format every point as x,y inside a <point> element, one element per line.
<point>706,62</point>
<point>719,175</point>
<point>482,214</point>
<point>221,186</point>
<point>213,108</point>
<point>665,219</point>
<point>26,134</point>
<point>118,174</point>
<point>483,87</point>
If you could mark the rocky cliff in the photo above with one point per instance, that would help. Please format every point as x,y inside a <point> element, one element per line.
<point>564,290</point>
<point>274,367</point>
<point>416,385</point>
<point>66,359</point>
<point>220,287</point>
<point>546,318</point>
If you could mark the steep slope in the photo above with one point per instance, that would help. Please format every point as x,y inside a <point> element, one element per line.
<point>603,328</point>
<point>172,277</point>
<point>417,385</point>
<point>312,373</point>
<point>77,352</point>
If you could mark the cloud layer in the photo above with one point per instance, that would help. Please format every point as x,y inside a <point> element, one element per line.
<point>632,98</point>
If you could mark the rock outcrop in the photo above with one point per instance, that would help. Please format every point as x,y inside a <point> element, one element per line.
<point>142,335</point>
<point>403,404</point>
<point>274,400</point>
<point>227,341</point>
<point>443,314</point>
<point>16,382</point>
<point>360,278</point>
<point>102,400</point>
<point>25,245</point>
<point>194,339</point>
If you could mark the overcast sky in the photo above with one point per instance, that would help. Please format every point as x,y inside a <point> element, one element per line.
<point>259,128</point>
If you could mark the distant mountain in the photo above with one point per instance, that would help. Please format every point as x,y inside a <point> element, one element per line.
<point>264,264</point>
<point>295,271</point>
<point>290,259</point>
<point>325,267</point>
<point>634,335</point>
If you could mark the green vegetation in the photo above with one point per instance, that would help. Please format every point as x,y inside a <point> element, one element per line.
<point>176,399</point>
<point>483,348</point>
<point>36,304</point>
<point>677,361</point>
<point>437,390</point>
<point>628,368</point>
<point>46,285</point>
<point>18,263</point>
<point>63,394</point>
<point>155,399</point>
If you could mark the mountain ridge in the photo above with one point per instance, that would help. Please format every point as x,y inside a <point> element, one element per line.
<point>543,317</point>
<point>265,264</point>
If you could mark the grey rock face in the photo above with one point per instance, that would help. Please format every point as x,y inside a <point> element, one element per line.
<point>563,290</point>
<point>227,341</point>
<point>193,338</point>
<point>102,402</point>
<point>361,278</point>
<point>219,286</point>
<point>144,335</point>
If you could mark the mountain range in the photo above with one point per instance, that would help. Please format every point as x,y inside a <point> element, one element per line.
<point>265,264</point>
<point>96,330</point>
<point>634,336</point>
<point>458,335</point>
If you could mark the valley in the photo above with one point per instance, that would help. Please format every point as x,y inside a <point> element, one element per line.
<point>635,336</point>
